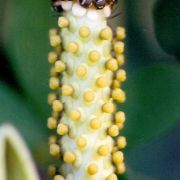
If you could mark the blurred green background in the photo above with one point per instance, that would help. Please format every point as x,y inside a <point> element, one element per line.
<point>153,86</point>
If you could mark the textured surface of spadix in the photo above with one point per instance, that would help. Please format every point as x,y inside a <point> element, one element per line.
<point>95,138</point>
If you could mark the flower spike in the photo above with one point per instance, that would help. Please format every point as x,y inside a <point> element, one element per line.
<point>86,83</point>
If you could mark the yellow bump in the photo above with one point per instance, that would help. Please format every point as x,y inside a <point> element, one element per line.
<point>120,117</point>
<point>106,34</point>
<point>81,142</point>
<point>119,47</point>
<point>51,170</point>
<point>113,131</point>
<point>92,169</point>
<point>52,123</point>
<point>112,177</point>
<point>67,90</point>
<point>119,95</point>
<point>108,107</point>
<point>118,157</point>
<point>55,115</point>
<point>114,149</point>
<point>53,31</point>
<point>81,71</point>
<point>69,157</point>
<point>103,150</point>
<point>52,57</point>
<point>60,66</point>
<point>89,95</point>
<point>53,73</point>
<point>63,22</point>
<point>120,126</point>
<point>51,98</point>
<point>75,115</point>
<point>120,59</point>
<point>112,65</point>
<point>101,82</point>
<point>84,31</point>
<point>57,106</point>
<point>94,56</point>
<point>73,47</point>
<point>115,84</point>
<point>121,168</point>
<point>62,129</point>
<point>120,33</point>
<point>59,177</point>
<point>121,142</point>
<point>95,123</point>
<point>121,75</point>
<point>55,40</point>
<point>54,83</point>
<point>52,139</point>
<point>54,149</point>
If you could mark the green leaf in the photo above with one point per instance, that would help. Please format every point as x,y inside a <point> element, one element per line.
<point>167,25</point>
<point>153,103</point>
<point>26,44</point>
<point>15,159</point>
<point>141,40</point>
<point>158,158</point>
<point>15,111</point>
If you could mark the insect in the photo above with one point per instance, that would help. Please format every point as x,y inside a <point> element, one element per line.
<point>99,4</point>
<point>56,4</point>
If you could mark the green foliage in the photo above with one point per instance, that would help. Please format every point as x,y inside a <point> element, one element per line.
<point>167,25</point>
<point>15,111</point>
<point>153,103</point>
<point>26,43</point>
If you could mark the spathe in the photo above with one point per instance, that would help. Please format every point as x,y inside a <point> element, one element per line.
<point>15,160</point>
